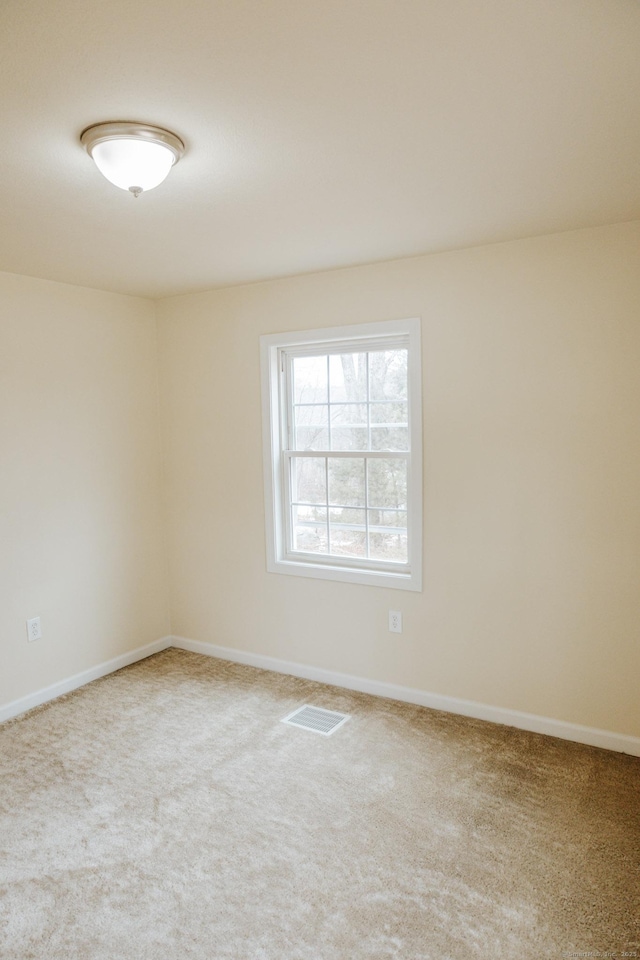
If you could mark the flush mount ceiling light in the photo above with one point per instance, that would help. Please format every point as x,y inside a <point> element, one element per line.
<point>133,156</point>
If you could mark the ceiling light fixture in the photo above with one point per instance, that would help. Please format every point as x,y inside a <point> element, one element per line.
<point>133,156</point>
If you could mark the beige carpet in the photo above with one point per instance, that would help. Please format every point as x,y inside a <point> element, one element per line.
<point>165,813</point>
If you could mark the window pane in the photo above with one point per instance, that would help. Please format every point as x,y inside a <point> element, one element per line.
<point>379,520</point>
<point>389,438</point>
<point>389,413</point>
<point>308,480</point>
<point>347,532</point>
<point>349,438</point>
<point>349,426</point>
<point>346,481</point>
<point>347,414</point>
<point>314,438</point>
<point>387,484</point>
<point>388,375</point>
<point>348,376</point>
<point>389,430</point>
<point>349,515</point>
<point>310,379</point>
<point>311,431</point>
<point>309,529</point>
<point>388,546</point>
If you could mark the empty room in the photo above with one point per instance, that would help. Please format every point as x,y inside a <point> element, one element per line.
<point>320,480</point>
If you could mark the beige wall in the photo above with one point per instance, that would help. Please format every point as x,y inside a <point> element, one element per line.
<point>80,530</point>
<point>532,477</point>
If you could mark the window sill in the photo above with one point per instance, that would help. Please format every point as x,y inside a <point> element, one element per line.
<point>372,578</point>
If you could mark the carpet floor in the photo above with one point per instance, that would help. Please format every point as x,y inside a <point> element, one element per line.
<point>164,813</point>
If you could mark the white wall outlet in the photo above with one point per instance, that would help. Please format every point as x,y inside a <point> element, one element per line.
<point>34,630</point>
<point>395,621</point>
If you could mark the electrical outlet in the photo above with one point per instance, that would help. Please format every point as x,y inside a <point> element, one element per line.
<point>395,621</point>
<point>34,630</point>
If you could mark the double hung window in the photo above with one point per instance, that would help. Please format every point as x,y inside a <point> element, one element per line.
<point>342,453</point>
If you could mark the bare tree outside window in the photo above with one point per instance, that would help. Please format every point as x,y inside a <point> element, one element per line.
<point>350,403</point>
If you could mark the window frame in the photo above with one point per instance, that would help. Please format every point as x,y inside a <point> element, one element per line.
<point>276,404</point>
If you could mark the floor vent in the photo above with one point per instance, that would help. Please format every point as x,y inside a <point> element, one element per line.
<point>316,719</point>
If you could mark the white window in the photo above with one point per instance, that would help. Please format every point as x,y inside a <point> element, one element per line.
<point>343,457</point>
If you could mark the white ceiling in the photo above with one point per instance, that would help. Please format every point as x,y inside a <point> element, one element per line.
<point>319,133</point>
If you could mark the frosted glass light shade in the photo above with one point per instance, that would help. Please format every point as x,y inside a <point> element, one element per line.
<point>132,156</point>
<point>133,163</point>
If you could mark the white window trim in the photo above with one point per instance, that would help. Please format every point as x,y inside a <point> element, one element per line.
<point>273,419</point>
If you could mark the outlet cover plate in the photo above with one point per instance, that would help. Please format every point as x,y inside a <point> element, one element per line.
<point>34,629</point>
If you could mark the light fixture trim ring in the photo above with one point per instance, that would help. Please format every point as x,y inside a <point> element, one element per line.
<point>128,130</point>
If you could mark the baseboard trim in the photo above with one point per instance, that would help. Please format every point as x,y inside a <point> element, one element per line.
<point>16,707</point>
<point>607,740</point>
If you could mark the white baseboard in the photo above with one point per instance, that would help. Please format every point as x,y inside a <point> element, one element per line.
<point>620,742</point>
<point>17,707</point>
